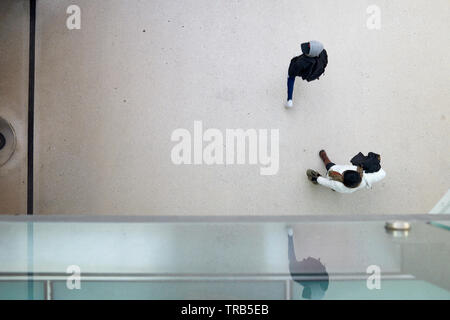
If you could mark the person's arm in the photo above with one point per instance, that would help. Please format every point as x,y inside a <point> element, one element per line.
<point>325,58</point>
<point>335,185</point>
<point>371,178</point>
<point>293,68</point>
<point>297,66</point>
<point>291,250</point>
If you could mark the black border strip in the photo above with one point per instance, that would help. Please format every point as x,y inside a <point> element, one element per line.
<point>31,73</point>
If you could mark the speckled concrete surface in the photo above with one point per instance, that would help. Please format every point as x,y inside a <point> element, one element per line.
<point>108,97</point>
<point>14,24</point>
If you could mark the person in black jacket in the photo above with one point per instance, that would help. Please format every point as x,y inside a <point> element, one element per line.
<point>315,276</point>
<point>309,66</point>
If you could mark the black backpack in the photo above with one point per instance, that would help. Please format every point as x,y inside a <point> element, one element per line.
<point>319,66</point>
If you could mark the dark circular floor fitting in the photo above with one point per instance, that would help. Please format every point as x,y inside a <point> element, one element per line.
<point>2,141</point>
<point>7,141</point>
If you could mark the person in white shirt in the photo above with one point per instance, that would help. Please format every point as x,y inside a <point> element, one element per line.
<point>344,178</point>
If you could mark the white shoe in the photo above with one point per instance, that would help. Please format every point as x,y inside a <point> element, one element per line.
<point>288,104</point>
<point>290,231</point>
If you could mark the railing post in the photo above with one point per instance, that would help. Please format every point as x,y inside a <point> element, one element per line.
<point>48,290</point>
<point>288,289</point>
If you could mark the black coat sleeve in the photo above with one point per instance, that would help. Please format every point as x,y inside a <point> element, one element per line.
<point>298,66</point>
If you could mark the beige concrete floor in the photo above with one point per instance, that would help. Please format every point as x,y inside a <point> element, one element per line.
<point>108,97</point>
<point>14,25</point>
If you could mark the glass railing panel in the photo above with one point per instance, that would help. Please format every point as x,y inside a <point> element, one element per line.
<point>22,290</point>
<point>258,260</point>
<point>173,290</point>
<point>390,290</point>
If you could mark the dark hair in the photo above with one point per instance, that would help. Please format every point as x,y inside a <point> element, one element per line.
<point>305,47</point>
<point>352,178</point>
<point>315,269</point>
